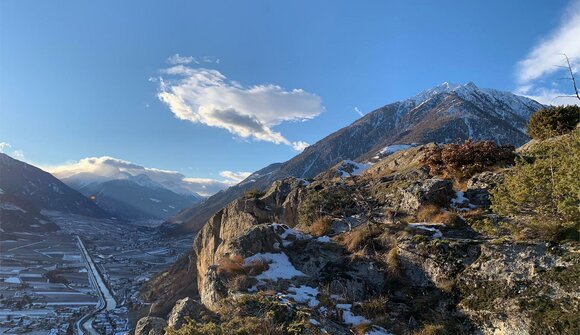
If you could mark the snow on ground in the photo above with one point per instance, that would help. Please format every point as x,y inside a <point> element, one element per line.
<point>460,202</point>
<point>13,280</point>
<point>304,294</point>
<point>1,191</point>
<point>348,317</point>
<point>376,330</point>
<point>7,206</point>
<point>285,232</point>
<point>391,149</point>
<point>279,266</point>
<point>323,239</point>
<point>155,200</point>
<point>422,225</point>
<point>354,168</point>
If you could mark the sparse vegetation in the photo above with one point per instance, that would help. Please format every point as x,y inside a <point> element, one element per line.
<point>254,194</point>
<point>330,201</point>
<point>553,121</point>
<point>460,161</point>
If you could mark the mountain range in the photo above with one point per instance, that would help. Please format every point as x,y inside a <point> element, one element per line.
<point>445,113</point>
<point>26,190</point>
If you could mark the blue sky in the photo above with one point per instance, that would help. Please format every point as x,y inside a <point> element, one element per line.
<point>89,79</point>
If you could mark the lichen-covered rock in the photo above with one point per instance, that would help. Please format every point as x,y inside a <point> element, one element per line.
<point>185,307</point>
<point>150,326</point>
<point>429,191</point>
<point>479,186</point>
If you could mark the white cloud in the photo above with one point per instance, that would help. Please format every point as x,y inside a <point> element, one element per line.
<point>235,177</point>
<point>208,97</point>
<point>358,111</point>
<point>18,154</point>
<point>544,61</point>
<point>4,146</point>
<point>100,169</point>
<point>177,59</point>
<point>300,145</point>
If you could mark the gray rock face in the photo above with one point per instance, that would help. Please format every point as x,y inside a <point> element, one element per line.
<point>430,191</point>
<point>186,307</point>
<point>150,326</point>
<point>258,239</point>
<point>479,186</point>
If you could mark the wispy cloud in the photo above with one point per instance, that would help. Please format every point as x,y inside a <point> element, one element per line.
<point>178,59</point>
<point>100,169</point>
<point>4,146</point>
<point>207,96</point>
<point>541,65</point>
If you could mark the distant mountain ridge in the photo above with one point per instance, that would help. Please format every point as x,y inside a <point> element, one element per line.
<point>25,190</point>
<point>138,198</point>
<point>444,113</point>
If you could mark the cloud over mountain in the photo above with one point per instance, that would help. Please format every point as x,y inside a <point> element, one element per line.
<point>539,73</point>
<point>207,96</point>
<point>99,169</point>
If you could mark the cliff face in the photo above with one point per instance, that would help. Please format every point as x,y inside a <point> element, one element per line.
<point>392,249</point>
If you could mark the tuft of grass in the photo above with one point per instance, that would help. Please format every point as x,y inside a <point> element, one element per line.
<point>361,329</point>
<point>234,266</point>
<point>320,226</point>
<point>392,262</point>
<point>358,239</point>
<point>430,329</point>
<point>427,212</point>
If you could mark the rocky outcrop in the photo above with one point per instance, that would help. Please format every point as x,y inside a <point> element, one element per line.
<point>479,186</point>
<point>430,191</point>
<point>186,307</point>
<point>150,326</point>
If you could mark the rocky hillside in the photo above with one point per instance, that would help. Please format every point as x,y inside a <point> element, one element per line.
<point>25,190</point>
<point>443,114</point>
<point>403,246</point>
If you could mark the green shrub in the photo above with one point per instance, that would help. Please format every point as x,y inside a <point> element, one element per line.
<point>253,194</point>
<point>331,201</point>
<point>543,192</point>
<point>553,121</point>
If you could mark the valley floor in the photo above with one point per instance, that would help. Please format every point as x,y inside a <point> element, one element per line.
<point>47,286</point>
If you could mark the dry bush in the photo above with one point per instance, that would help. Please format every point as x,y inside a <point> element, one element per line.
<point>460,161</point>
<point>375,307</point>
<point>359,238</point>
<point>449,219</point>
<point>430,330</point>
<point>234,266</point>
<point>321,226</point>
<point>361,329</point>
<point>231,265</point>
<point>426,212</point>
<point>447,285</point>
<point>391,260</point>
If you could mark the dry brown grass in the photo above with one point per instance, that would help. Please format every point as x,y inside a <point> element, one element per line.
<point>361,329</point>
<point>430,330</point>
<point>426,212</point>
<point>241,283</point>
<point>449,219</point>
<point>447,285</point>
<point>235,266</point>
<point>321,226</point>
<point>391,260</point>
<point>359,238</point>
<point>375,307</point>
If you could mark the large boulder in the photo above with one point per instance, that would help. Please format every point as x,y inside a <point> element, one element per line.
<point>186,307</point>
<point>150,326</point>
<point>429,191</point>
<point>479,186</point>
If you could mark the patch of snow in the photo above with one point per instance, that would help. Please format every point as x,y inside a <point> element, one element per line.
<point>13,280</point>
<point>279,266</point>
<point>7,206</point>
<point>391,149</point>
<point>376,330</point>
<point>1,191</point>
<point>314,322</point>
<point>304,294</point>
<point>353,167</point>
<point>284,232</point>
<point>323,239</point>
<point>461,203</point>
<point>155,200</point>
<point>348,317</point>
<point>421,225</point>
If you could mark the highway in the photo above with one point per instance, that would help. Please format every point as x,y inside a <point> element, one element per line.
<point>106,300</point>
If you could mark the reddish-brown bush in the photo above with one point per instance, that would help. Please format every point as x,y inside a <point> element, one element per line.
<point>464,160</point>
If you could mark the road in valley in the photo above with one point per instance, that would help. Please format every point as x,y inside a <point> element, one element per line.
<point>106,300</point>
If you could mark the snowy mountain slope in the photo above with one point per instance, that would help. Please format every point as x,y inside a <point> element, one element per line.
<point>445,113</point>
<point>26,190</point>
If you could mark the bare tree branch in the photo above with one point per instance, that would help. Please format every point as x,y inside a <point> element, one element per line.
<point>572,77</point>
